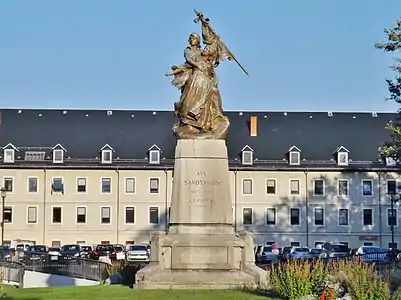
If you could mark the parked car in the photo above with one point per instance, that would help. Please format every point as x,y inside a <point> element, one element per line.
<point>317,253</point>
<point>102,251</point>
<point>138,252</point>
<point>86,251</point>
<point>69,251</point>
<point>119,252</point>
<point>338,251</point>
<point>373,253</point>
<point>54,253</point>
<point>37,253</point>
<point>300,253</point>
<point>5,253</point>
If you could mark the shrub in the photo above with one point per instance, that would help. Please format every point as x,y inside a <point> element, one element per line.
<point>298,278</point>
<point>361,280</point>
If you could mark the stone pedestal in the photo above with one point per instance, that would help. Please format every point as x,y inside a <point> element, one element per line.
<point>201,249</point>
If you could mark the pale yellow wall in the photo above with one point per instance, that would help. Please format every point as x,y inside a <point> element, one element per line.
<point>117,231</point>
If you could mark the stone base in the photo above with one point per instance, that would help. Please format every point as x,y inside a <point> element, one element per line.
<point>201,250</point>
<point>183,261</point>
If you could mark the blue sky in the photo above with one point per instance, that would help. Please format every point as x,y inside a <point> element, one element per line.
<point>301,55</point>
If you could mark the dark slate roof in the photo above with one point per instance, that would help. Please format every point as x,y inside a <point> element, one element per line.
<point>131,133</point>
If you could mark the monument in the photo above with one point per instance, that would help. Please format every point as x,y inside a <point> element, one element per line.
<point>201,249</point>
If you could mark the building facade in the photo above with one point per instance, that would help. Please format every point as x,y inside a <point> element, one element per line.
<point>106,176</point>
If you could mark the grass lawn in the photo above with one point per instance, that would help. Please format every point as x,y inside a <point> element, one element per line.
<point>122,293</point>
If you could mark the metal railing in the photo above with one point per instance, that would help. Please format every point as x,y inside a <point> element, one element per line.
<point>72,267</point>
<point>12,272</point>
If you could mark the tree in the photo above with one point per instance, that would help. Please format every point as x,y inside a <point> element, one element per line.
<point>392,43</point>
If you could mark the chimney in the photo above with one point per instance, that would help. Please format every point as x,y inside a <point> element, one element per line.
<point>254,126</point>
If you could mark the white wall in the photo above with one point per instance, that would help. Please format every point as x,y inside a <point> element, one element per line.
<point>37,279</point>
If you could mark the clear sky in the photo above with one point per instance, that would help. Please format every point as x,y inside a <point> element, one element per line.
<point>301,55</point>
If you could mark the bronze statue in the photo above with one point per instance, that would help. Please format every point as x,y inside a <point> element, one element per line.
<point>200,108</point>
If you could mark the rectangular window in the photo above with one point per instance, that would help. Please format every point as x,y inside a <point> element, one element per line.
<point>56,215</point>
<point>8,184</point>
<point>318,187</point>
<point>58,155</point>
<point>367,187</point>
<point>154,185</point>
<point>343,187</point>
<point>154,157</point>
<point>130,215</point>
<point>270,186</point>
<point>81,242</point>
<point>247,216</point>
<point>106,185</point>
<point>56,243</point>
<point>295,216</point>
<point>343,217</point>
<point>81,185</point>
<point>105,217</point>
<point>81,215</point>
<point>8,215</point>
<point>393,246</point>
<point>318,216</point>
<point>318,243</point>
<point>391,187</point>
<point>32,214</point>
<point>247,186</point>
<point>9,155</point>
<point>271,216</point>
<point>32,185</point>
<point>130,185</point>
<point>58,185</point>
<point>153,215</point>
<point>367,217</point>
<point>294,187</point>
<point>391,217</point>
<point>368,244</point>
<point>344,243</point>
<point>295,244</point>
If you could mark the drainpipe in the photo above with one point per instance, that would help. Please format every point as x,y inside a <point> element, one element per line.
<point>235,200</point>
<point>44,205</point>
<point>166,201</point>
<point>307,208</point>
<point>118,206</point>
<point>380,209</point>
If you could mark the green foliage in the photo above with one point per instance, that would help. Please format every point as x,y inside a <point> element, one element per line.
<point>392,43</point>
<point>298,279</point>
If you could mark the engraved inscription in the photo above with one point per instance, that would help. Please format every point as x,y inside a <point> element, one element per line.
<point>201,188</point>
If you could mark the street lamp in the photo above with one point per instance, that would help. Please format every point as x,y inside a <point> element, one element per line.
<point>3,194</point>
<point>394,198</point>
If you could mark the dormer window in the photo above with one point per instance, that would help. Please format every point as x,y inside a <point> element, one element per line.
<point>107,154</point>
<point>9,153</point>
<point>58,154</point>
<point>294,156</point>
<point>247,155</point>
<point>154,155</point>
<point>342,156</point>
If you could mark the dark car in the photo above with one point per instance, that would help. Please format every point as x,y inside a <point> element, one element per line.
<point>36,253</point>
<point>104,251</point>
<point>5,252</point>
<point>70,251</point>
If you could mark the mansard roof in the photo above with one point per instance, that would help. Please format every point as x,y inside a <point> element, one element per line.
<point>131,132</point>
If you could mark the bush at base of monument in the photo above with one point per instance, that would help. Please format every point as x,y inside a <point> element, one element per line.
<point>342,279</point>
